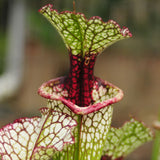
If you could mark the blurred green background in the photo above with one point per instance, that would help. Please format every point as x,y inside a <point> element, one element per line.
<point>133,64</point>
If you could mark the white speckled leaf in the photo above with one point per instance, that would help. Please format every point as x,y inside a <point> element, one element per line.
<point>36,138</point>
<point>94,131</point>
<point>90,133</point>
<point>122,141</point>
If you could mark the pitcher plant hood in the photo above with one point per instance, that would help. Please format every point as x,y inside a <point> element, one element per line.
<point>85,39</point>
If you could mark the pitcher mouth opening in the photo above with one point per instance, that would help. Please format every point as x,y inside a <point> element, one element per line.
<point>103,94</point>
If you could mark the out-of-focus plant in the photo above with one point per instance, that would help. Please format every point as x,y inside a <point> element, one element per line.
<point>75,125</point>
<point>156,145</point>
<point>2,51</point>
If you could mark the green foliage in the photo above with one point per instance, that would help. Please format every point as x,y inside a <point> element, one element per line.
<point>156,147</point>
<point>122,141</point>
